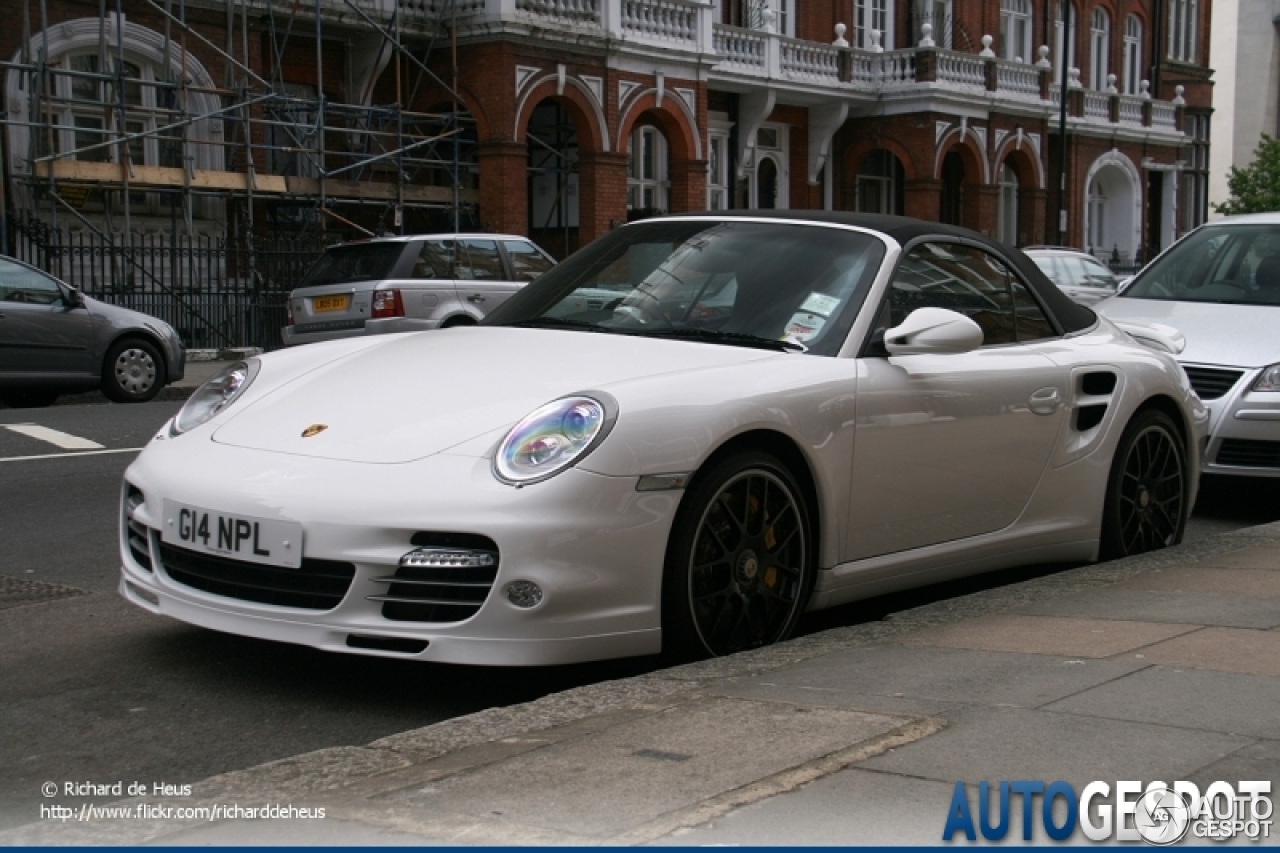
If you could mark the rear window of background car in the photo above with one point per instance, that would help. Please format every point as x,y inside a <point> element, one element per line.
<point>353,263</point>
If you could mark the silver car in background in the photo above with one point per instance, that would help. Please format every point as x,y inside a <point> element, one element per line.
<point>55,340</point>
<point>1078,274</point>
<point>1220,287</point>
<point>411,283</point>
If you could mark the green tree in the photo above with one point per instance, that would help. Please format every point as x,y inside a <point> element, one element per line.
<point>1256,187</point>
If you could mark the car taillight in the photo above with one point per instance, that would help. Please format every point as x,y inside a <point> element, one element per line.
<point>387,303</point>
<point>288,308</point>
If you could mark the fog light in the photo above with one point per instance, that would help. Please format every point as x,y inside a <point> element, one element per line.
<point>449,558</point>
<point>524,594</point>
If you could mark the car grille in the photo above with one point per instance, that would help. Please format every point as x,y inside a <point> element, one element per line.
<point>439,593</point>
<point>1212,382</point>
<point>136,533</point>
<point>1247,453</point>
<point>316,585</point>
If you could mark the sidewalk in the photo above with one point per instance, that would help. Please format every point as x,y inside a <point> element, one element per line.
<point>1164,666</point>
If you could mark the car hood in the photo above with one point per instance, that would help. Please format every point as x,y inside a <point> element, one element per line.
<point>425,392</point>
<point>1237,335</point>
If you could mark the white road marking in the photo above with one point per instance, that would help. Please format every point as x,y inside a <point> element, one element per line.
<point>65,455</point>
<point>65,440</point>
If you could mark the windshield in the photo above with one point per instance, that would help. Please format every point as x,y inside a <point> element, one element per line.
<point>356,262</point>
<point>1233,264</point>
<point>776,285</point>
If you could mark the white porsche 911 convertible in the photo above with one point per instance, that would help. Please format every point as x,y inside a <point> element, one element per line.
<point>751,416</point>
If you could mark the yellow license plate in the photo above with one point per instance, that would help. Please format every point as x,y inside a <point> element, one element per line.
<point>330,303</point>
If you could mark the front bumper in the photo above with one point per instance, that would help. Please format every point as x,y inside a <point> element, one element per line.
<point>1244,429</point>
<point>592,543</point>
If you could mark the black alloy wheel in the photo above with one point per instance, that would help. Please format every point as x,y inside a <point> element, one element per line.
<point>1146,505</point>
<point>740,562</point>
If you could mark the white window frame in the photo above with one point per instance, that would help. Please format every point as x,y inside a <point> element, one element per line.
<point>1184,29</point>
<point>936,13</point>
<point>780,155</point>
<point>1132,83</point>
<point>1097,202</point>
<point>1008,213</point>
<point>1015,30</point>
<point>871,15</point>
<point>1099,48</point>
<point>719,183</point>
<point>883,186</point>
<point>1070,54</point>
<point>654,187</point>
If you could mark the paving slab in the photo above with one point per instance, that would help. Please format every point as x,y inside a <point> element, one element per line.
<point>1194,700</point>
<point>854,806</point>
<point>1199,580</point>
<point>617,779</point>
<point>1015,743</point>
<point>1157,605</point>
<point>1259,760</point>
<point>1071,637</point>
<point>1226,649</point>
<point>865,678</point>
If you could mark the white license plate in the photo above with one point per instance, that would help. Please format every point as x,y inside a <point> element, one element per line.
<point>239,537</point>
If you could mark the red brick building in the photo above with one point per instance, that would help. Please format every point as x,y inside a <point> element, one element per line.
<point>562,118</point>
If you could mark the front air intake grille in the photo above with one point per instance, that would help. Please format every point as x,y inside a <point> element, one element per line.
<point>441,593</point>
<point>136,533</point>
<point>316,585</point>
<point>1212,382</point>
<point>1246,453</point>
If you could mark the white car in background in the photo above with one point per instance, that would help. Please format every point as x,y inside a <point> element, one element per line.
<point>1078,274</point>
<point>1220,287</point>
<point>683,437</point>
<point>409,284</point>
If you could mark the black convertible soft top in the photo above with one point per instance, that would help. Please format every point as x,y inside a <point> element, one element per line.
<point>1071,316</point>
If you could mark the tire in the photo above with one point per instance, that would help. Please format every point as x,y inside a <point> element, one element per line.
<point>28,398</point>
<point>1146,503</point>
<point>133,371</point>
<point>740,563</point>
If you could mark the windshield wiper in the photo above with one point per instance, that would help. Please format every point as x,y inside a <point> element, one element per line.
<point>558,323</point>
<point>734,338</point>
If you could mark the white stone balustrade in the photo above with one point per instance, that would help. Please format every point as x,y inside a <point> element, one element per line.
<point>964,70</point>
<point>1097,105</point>
<point>811,60</point>
<point>1164,114</point>
<point>743,50</point>
<point>1130,109</point>
<point>1018,79</point>
<point>566,11</point>
<point>661,20</point>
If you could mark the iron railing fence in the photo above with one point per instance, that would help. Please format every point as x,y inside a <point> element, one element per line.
<point>218,291</point>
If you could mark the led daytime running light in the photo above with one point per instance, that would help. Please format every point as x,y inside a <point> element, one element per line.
<point>454,558</point>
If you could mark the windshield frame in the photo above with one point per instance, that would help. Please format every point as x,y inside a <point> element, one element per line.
<point>580,271</point>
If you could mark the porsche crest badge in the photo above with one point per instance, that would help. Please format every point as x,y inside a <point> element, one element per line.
<point>314,429</point>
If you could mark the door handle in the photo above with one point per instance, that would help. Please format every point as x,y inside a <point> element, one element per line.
<point>1045,401</point>
<point>476,298</point>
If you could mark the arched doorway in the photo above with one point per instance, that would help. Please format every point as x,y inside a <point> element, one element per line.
<point>648,172</point>
<point>951,205</point>
<point>552,141</point>
<point>1112,208</point>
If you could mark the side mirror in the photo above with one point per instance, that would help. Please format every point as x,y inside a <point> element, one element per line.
<point>933,330</point>
<point>73,297</point>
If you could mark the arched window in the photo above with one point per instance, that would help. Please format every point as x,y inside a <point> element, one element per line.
<point>1099,48</point>
<point>1015,30</point>
<point>1132,55</point>
<point>1184,28</point>
<point>647,181</point>
<point>1070,51</point>
<point>1008,230</point>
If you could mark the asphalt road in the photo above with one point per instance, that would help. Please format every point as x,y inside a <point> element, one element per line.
<point>94,689</point>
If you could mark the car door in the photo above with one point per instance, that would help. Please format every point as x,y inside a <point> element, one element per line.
<point>482,280</point>
<point>526,260</point>
<point>41,334</point>
<point>949,446</point>
<point>430,292</point>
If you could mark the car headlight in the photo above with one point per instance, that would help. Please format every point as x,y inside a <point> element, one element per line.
<point>554,437</point>
<point>214,396</point>
<point>1268,380</point>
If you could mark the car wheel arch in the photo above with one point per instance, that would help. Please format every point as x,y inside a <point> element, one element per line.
<point>456,320</point>
<point>789,453</point>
